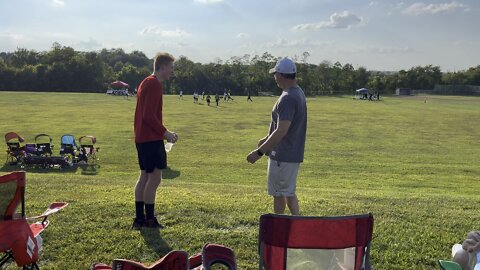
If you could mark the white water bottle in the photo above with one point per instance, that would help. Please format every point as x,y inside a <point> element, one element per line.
<point>168,147</point>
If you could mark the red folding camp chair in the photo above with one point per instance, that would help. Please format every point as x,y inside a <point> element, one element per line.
<point>88,151</point>
<point>298,242</point>
<point>15,150</point>
<point>175,260</point>
<point>19,240</point>
<point>212,254</point>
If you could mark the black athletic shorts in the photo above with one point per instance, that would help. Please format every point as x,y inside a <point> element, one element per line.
<point>151,155</point>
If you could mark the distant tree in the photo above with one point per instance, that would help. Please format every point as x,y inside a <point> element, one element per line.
<point>63,69</point>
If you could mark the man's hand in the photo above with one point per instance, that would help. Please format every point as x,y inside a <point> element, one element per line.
<point>261,141</point>
<point>171,137</point>
<point>253,157</point>
<point>472,243</point>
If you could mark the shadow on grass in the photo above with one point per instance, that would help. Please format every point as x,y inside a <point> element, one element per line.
<point>154,241</point>
<point>168,173</point>
<point>89,169</point>
<point>12,168</point>
<point>86,169</point>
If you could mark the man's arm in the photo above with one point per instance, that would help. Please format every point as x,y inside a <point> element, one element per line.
<point>269,141</point>
<point>275,137</point>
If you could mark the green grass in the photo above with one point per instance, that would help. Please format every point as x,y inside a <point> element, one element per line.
<point>414,165</point>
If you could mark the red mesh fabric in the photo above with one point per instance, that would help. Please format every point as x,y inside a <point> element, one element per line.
<point>12,186</point>
<point>12,135</point>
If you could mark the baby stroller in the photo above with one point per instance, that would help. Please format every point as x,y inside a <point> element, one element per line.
<point>44,145</point>
<point>69,147</point>
<point>88,151</point>
<point>15,152</point>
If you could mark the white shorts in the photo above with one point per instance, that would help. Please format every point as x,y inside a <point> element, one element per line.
<point>282,178</point>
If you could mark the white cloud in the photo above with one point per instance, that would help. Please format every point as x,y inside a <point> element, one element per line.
<point>423,8</point>
<point>174,34</point>
<point>283,43</point>
<point>208,1</point>
<point>342,20</point>
<point>242,35</point>
<point>57,3</point>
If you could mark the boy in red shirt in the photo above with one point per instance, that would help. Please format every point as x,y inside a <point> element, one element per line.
<point>149,135</point>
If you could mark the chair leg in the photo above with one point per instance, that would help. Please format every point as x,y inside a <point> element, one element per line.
<point>32,266</point>
<point>8,255</point>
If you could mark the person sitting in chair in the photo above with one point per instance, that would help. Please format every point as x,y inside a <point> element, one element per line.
<point>465,254</point>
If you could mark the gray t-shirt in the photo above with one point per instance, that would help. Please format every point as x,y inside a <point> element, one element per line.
<point>290,106</point>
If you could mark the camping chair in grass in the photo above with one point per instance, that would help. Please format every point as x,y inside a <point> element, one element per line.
<point>44,144</point>
<point>463,259</point>
<point>68,145</point>
<point>302,242</point>
<point>88,151</point>
<point>15,151</point>
<point>175,260</point>
<point>19,240</point>
<point>212,255</point>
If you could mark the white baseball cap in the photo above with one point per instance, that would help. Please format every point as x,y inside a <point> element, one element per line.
<point>284,66</point>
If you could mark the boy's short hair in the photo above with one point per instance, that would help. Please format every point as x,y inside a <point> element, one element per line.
<point>162,59</point>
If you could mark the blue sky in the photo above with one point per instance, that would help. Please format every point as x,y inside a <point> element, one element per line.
<point>378,35</point>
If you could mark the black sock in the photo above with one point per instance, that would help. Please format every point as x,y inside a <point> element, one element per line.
<point>139,214</point>
<point>150,209</point>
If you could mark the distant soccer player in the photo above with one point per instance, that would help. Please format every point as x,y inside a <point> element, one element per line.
<point>149,135</point>
<point>217,98</point>
<point>208,100</point>
<point>195,97</point>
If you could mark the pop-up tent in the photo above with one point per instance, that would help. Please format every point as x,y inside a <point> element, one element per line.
<point>362,91</point>
<point>119,85</point>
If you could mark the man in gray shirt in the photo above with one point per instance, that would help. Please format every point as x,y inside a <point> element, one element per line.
<point>285,142</point>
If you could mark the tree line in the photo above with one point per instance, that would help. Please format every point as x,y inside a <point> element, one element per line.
<point>62,69</point>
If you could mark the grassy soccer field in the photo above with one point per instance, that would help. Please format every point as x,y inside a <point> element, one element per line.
<point>414,165</point>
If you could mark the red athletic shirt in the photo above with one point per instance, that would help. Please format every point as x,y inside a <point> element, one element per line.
<point>148,124</point>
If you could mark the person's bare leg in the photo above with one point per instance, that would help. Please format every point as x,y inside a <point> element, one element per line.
<point>462,258</point>
<point>292,203</point>
<point>279,204</point>
<point>140,186</point>
<point>150,188</point>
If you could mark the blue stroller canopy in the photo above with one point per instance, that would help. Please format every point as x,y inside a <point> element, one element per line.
<point>68,139</point>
